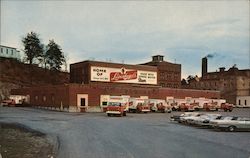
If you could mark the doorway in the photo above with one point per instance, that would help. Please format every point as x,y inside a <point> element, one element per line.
<point>82,102</point>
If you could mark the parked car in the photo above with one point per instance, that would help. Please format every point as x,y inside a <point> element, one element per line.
<point>233,124</point>
<point>187,116</point>
<point>8,102</point>
<point>177,117</point>
<point>190,120</point>
<point>204,120</point>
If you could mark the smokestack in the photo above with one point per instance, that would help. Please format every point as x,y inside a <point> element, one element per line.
<point>204,66</point>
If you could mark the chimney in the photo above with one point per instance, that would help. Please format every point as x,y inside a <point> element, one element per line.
<point>222,69</point>
<point>204,66</point>
<point>157,58</point>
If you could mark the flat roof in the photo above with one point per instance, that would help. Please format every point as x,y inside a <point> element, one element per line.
<point>115,64</point>
<point>7,46</point>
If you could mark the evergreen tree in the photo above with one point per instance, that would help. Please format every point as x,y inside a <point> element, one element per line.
<point>54,56</point>
<point>32,47</point>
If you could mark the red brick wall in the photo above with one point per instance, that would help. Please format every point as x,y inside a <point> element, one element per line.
<point>43,95</point>
<point>67,94</point>
<point>94,92</point>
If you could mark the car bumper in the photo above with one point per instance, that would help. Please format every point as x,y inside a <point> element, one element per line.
<point>113,112</point>
<point>145,110</point>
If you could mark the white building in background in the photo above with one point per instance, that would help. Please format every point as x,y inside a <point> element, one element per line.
<point>9,52</point>
<point>243,101</point>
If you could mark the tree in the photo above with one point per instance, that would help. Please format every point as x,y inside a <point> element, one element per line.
<point>54,56</point>
<point>32,47</point>
<point>183,82</point>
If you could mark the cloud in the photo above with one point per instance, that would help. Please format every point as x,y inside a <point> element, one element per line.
<point>133,31</point>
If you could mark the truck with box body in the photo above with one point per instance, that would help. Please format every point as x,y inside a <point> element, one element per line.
<point>159,105</point>
<point>105,99</point>
<point>116,108</point>
<point>138,105</point>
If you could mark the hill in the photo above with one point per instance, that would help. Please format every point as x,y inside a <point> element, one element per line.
<point>15,74</point>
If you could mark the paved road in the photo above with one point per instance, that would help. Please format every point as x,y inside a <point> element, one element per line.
<point>136,136</point>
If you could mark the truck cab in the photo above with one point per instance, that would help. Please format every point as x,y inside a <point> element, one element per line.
<point>138,105</point>
<point>159,105</point>
<point>116,108</point>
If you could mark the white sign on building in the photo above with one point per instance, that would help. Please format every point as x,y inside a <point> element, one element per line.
<point>122,75</point>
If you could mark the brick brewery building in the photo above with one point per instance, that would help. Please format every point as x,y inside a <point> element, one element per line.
<point>169,73</point>
<point>232,84</point>
<point>92,80</point>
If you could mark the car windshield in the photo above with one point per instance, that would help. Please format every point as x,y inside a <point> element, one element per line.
<point>228,118</point>
<point>114,104</point>
<point>243,119</point>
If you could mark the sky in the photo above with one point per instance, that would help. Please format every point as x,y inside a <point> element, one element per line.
<point>131,32</point>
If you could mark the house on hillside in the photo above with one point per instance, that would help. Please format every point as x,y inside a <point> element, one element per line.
<point>9,52</point>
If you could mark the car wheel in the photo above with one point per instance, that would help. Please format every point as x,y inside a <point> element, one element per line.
<point>109,115</point>
<point>230,110</point>
<point>124,114</point>
<point>231,128</point>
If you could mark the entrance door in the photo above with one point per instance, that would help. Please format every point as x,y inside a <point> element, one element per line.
<point>82,102</point>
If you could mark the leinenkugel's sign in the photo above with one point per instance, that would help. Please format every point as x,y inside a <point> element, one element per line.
<point>122,75</point>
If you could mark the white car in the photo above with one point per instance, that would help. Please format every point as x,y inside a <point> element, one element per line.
<point>204,120</point>
<point>189,116</point>
<point>191,120</point>
<point>180,117</point>
<point>233,124</point>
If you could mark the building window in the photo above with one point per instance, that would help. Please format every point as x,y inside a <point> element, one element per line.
<point>239,102</point>
<point>104,103</point>
<point>53,98</point>
<point>1,50</point>
<point>44,98</point>
<point>245,102</point>
<point>6,51</point>
<point>12,52</point>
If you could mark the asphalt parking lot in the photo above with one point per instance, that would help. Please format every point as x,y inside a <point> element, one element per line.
<point>94,135</point>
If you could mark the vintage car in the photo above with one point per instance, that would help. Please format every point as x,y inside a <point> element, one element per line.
<point>187,116</point>
<point>233,124</point>
<point>177,117</point>
<point>204,120</point>
<point>190,120</point>
<point>8,102</point>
